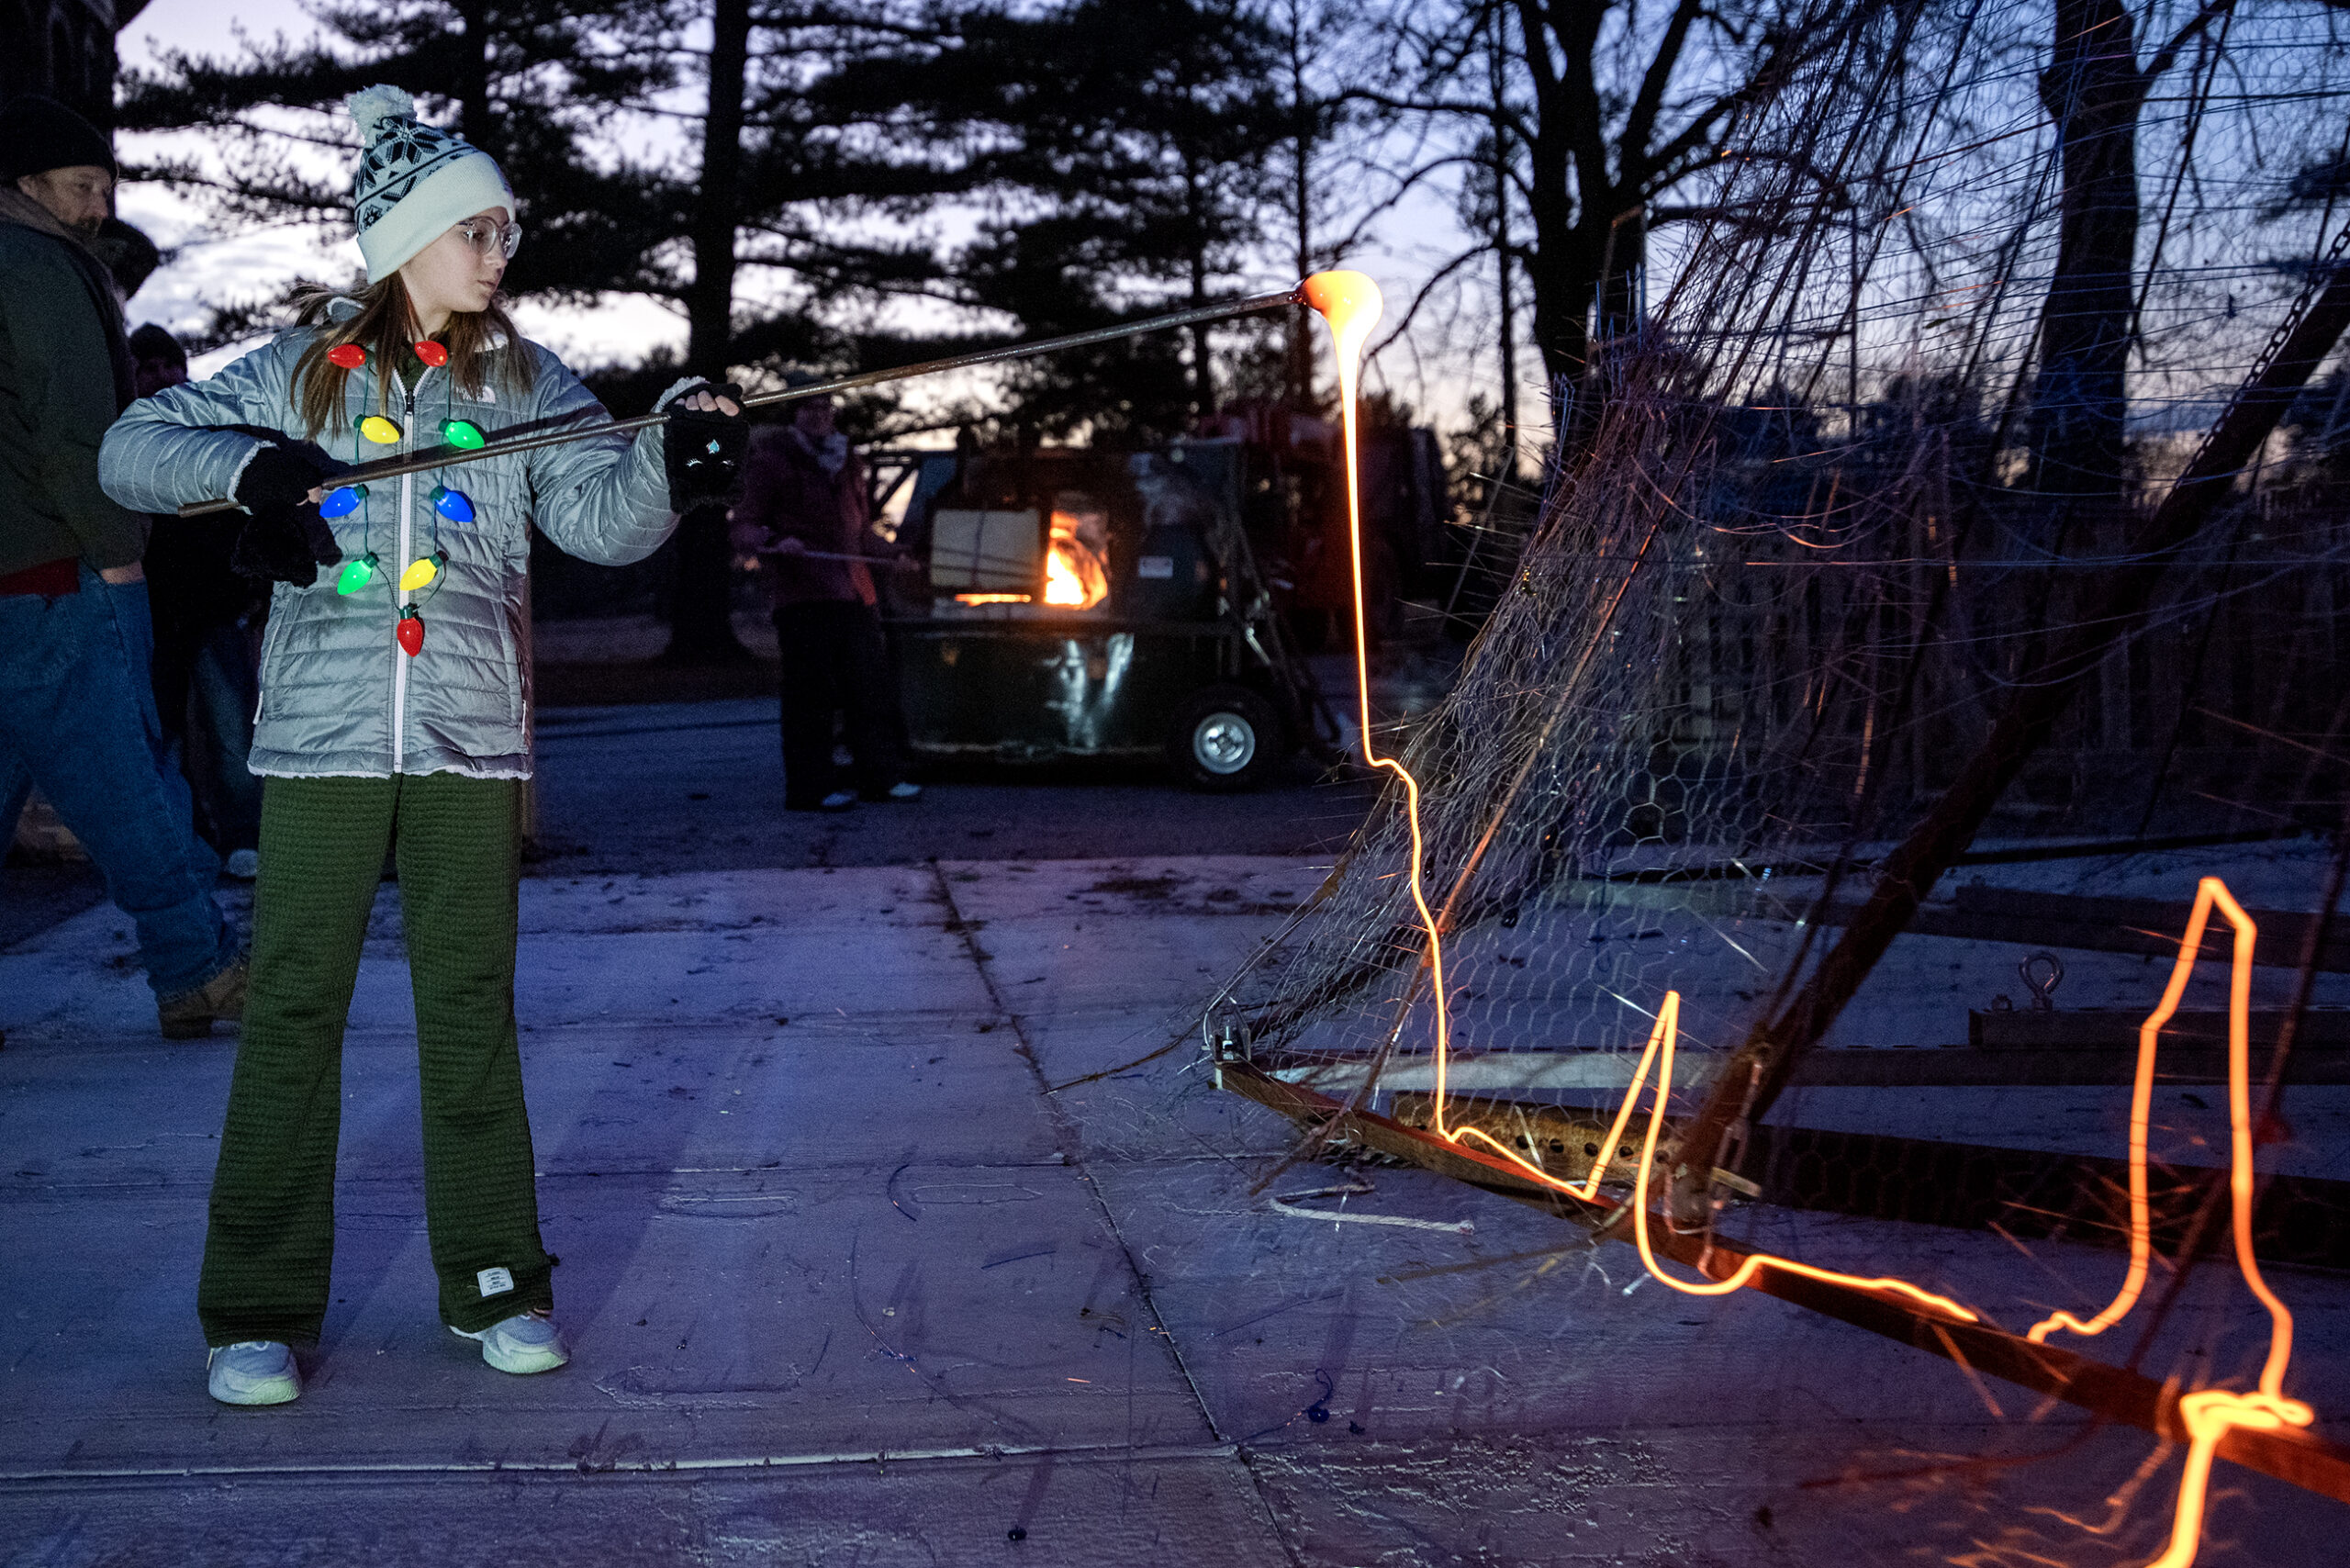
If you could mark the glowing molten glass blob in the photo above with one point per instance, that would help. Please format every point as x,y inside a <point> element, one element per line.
<point>1074,577</point>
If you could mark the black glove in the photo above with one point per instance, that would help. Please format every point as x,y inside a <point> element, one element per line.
<point>283,544</point>
<point>283,474</point>
<point>703,451</point>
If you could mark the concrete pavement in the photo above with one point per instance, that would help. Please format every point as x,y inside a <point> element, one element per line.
<point>850,1282</point>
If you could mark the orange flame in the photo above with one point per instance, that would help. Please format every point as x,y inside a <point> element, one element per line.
<point>1073,575</point>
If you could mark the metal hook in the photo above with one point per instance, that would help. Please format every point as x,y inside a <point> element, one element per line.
<point>2043,992</point>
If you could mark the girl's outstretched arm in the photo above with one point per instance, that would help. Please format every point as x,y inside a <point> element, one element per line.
<point>603,498</point>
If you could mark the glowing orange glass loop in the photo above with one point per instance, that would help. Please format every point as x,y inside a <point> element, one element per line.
<point>2209,1414</point>
<point>1668,1019</point>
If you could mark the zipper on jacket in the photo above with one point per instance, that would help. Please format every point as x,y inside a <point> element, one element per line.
<point>400,660</point>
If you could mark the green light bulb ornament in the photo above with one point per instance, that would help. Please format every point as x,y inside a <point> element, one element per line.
<point>356,574</point>
<point>463,434</point>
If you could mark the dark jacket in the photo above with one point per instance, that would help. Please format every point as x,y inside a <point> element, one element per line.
<point>786,492</point>
<point>64,375</point>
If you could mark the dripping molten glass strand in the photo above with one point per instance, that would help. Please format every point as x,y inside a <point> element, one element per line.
<point>1349,302</point>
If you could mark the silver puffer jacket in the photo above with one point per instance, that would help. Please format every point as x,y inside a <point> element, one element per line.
<point>339,696</point>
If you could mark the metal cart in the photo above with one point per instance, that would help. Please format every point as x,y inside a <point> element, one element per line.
<point>1082,603</point>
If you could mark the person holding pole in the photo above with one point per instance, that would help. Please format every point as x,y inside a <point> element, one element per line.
<point>395,715</point>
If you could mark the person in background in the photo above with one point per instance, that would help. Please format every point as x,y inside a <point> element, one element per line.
<point>130,259</point>
<point>207,681</point>
<point>804,512</point>
<point>77,711</point>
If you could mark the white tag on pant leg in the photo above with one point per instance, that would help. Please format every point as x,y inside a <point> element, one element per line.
<point>495,1282</point>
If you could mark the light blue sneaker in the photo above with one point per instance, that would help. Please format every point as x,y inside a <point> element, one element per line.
<point>528,1343</point>
<point>252,1372</point>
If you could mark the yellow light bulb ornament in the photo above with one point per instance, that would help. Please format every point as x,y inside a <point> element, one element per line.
<point>379,430</point>
<point>421,572</point>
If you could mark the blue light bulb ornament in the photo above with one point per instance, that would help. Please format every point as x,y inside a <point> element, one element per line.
<point>342,500</point>
<point>452,504</point>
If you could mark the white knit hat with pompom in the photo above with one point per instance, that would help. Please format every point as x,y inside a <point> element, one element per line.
<point>415,181</point>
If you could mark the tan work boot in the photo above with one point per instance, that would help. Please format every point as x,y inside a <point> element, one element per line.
<point>190,1014</point>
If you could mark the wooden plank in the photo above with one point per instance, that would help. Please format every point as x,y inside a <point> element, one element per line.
<point>2116,1029</point>
<point>1956,1067</point>
<point>2299,1220</point>
<point>1854,1067</point>
<point>2303,1221</point>
<point>2116,926</point>
<point>2297,1456</point>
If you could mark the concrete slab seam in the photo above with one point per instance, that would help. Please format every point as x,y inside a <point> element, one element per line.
<point>1074,1148</point>
<point>1120,1451</point>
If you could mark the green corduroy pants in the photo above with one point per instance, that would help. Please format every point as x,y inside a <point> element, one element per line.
<point>269,1244</point>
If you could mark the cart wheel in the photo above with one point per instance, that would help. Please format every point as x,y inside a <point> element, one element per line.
<point>1226,738</point>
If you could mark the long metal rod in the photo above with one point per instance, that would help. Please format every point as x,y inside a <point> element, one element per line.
<point>451,456</point>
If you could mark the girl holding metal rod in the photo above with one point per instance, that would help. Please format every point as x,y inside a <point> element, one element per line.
<point>395,715</point>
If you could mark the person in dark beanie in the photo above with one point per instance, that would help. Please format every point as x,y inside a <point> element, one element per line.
<point>130,259</point>
<point>77,711</point>
<point>157,361</point>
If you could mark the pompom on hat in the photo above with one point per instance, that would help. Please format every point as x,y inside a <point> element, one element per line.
<point>415,183</point>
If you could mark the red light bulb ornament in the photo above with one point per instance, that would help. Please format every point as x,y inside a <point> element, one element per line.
<point>346,356</point>
<point>410,631</point>
<point>432,353</point>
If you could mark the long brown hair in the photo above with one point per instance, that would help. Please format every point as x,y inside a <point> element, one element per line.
<point>484,346</point>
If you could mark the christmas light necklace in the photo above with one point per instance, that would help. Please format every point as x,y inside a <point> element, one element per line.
<point>425,571</point>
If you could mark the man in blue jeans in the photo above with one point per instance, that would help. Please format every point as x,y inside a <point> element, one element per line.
<point>77,711</point>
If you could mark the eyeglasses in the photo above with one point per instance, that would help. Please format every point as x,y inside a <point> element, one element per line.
<point>482,235</point>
